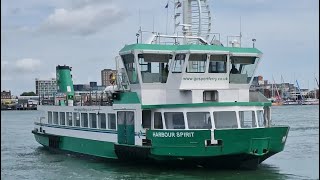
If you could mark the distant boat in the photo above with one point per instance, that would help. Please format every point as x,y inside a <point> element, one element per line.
<point>277,103</point>
<point>314,100</point>
<point>311,101</point>
<point>291,102</point>
<point>278,99</point>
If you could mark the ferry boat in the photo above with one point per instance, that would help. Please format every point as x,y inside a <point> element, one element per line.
<point>178,102</point>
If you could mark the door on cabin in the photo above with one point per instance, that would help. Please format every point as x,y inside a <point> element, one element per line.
<point>125,126</point>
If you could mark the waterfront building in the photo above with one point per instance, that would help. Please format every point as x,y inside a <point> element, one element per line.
<point>93,84</point>
<point>105,76</point>
<point>6,95</point>
<point>81,87</point>
<point>45,88</point>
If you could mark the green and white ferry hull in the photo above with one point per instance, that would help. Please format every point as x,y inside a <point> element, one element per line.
<point>218,148</point>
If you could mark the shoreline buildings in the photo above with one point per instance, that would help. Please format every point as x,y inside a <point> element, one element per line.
<point>105,76</point>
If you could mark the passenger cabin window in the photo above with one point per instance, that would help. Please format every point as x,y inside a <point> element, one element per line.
<point>199,120</point>
<point>210,96</point>
<point>178,63</point>
<point>247,119</point>
<point>93,120</point>
<point>49,117</point>
<point>62,118</point>
<point>154,67</point>
<point>131,70</point>
<point>69,118</point>
<point>197,63</point>
<point>102,121</point>
<point>146,119</point>
<point>84,119</point>
<point>112,121</point>
<point>158,120</point>
<point>55,118</point>
<point>174,120</point>
<point>225,119</point>
<point>218,64</point>
<point>242,69</point>
<point>76,118</point>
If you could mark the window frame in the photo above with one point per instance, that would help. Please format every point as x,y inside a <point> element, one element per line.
<point>205,61</point>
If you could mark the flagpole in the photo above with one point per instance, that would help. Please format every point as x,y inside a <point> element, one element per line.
<point>167,22</point>
<point>167,6</point>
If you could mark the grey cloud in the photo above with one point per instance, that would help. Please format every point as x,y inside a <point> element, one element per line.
<point>27,65</point>
<point>83,20</point>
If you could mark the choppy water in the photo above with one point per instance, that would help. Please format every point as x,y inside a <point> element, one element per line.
<point>23,158</point>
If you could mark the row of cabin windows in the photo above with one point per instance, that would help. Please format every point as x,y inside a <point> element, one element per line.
<point>198,63</point>
<point>155,67</point>
<point>202,120</point>
<point>91,120</point>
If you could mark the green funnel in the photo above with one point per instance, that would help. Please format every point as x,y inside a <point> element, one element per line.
<point>64,83</point>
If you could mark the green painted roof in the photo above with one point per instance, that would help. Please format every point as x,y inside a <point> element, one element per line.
<point>128,98</point>
<point>188,47</point>
<point>206,105</point>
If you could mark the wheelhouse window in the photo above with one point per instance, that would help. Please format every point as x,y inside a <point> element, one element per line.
<point>62,118</point>
<point>84,119</point>
<point>154,67</point>
<point>49,117</point>
<point>102,121</point>
<point>197,63</point>
<point>210,96</point>
<point>112,121</point>
<point>69,118</point>
<point>128,61</point>
<point>242,69</point>
<point>225,119</point>
<point>93,120</point>
<point>247,119</point>
<point>158,120</point>
<point>199,120</point>
<point>55,118</point>
<point>178,63</point>
<point>76,118</point>
<point>218,64</point>
<point>174,120</point>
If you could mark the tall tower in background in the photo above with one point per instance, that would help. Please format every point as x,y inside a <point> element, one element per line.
<point>105,76</point>
<point>46,87</point>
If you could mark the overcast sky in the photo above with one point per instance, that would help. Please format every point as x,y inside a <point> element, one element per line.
<point>36,36</point>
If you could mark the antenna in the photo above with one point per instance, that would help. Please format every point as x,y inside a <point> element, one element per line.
<point>240,32</point>
<point>153,24</point>
<point>167,7</point>
<point>139,31</point>
<point>139,19</point>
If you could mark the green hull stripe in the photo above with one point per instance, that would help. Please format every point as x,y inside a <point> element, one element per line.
<point>247,140</point>
<point>42,139</point>
<point>84,146</point>
<point>206,105</point>
<point>171,144</point>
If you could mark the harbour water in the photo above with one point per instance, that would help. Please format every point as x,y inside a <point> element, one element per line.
<point>23,158</point>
